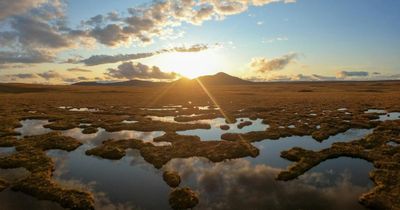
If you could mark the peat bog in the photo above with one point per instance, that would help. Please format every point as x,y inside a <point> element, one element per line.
<point>260,146</point>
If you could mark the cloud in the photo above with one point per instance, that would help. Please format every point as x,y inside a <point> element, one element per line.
<point>323,78</point>
<point>18,77</point>
<point>111,35</point>
<point>78,70</point>
<point>24,57</point>
<point>293,77</point>
<point>264,65</point>
<point>203,14</point>
<point>48,75</point>
<point>16,7</point>
<point>345,74</point>
<point>38,35</point>
<point>194,48</point>
<point>316,77</point>
<point>41,26</point>
<point>160,17</point>
<point>14,66</point>
<point>104,59</point>
<point>129,70</point>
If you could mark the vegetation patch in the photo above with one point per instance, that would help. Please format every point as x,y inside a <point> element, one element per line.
<point>3,185</point>
<point>31,156</point>
<point>172,178</point>
<point>182,147</point>
<point>373,148</point>
<point>183,198</point>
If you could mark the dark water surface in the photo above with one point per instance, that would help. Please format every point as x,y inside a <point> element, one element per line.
<point>247,183</point>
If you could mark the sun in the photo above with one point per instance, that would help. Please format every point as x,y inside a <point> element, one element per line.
<point>191,64</point>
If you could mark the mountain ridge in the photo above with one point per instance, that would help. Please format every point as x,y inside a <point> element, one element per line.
<point>219,78</point>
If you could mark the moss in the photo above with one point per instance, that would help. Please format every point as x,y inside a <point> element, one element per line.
<point>62,125</point>
<point>278,104</point>
<point>149,125</point>
<point>172,178</point>
<point>224,127</point>
<point>31,156</point>
<point>176,138</point>
<point>3,185</point>
<point>7,125</point>
<point>182,147</point>
<point>183,198</point>
<point>115,150</point>
<point>244,124</point>
<point>372,148</point>
<point>89,130</point>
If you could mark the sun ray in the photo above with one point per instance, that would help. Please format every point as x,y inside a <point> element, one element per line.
<point>159,95</point>
<point>214,101</point>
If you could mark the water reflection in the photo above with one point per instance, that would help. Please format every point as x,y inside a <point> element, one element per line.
<point>389,116</point>
<point>240,184</point>
<point>129,182</point>
<point>393,144</point>
<point>129,121</point>
<point>248,183</point>
<point>384,115</point>
<point>102,135</point>
<point>215,132</point>
<point>83,109</point>
<point>35,127</point>
<point>5,151</point>
<point>270,150</point>
<point>379,111</point>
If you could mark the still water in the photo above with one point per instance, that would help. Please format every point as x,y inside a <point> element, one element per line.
<point>247,183</point>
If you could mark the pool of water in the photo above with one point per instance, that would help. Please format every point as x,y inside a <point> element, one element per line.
<point>35,127</point>
<point>215,132</point>
<point>244,184</point>
<point>389,116</point>
<point>247,183</point>
<point>384,115</point>
<point>129,121</point>
<point>5,151</point>
<point>270,150</point>
<point>130,182</point>
<point>83,109</point>
<point>379,111</point>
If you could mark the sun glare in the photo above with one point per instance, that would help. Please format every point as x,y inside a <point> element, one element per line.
<point>191,65</point>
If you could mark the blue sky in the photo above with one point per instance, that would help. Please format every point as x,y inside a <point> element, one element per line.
<point>274,41</point>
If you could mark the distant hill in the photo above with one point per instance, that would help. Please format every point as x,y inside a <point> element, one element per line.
<point>217,79</point>
<point>223,79</point>
<point>138,83</point>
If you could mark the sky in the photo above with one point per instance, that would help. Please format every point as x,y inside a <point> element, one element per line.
<point>68,41</point>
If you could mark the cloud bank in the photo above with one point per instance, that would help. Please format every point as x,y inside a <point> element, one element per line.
<point>105,59</point>
<point>130,71</point>
<point>346,74</point>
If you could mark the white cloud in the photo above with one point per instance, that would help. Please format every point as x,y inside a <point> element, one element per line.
<point>265,65</point>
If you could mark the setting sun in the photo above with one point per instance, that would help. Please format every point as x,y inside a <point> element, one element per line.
<point>199,104</point>
<point>192,64</point>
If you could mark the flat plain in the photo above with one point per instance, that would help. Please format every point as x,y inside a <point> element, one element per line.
<point>190,137</point>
